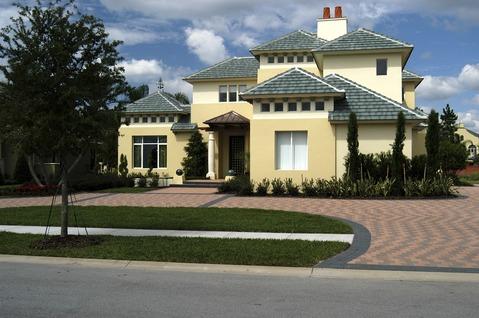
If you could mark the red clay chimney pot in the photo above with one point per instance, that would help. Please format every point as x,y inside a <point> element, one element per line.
<point>338,12</point>
<point>326,13</point>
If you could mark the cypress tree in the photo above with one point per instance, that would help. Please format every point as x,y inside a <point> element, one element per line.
<point>448,124</point>
<point>353,161</point>
<point>432,142</point>
<point>195,164</point>
<point>398,158</point>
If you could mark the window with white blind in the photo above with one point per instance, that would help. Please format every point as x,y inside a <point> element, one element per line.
<point>291,150</point>
<point>149,151</point>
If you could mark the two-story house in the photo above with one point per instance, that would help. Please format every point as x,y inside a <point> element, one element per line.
<point>283,111</point>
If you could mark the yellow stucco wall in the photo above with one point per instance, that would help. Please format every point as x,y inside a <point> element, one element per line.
<point>206,105</point>
<point>321,148</point>
<point>267,70</point>
<point>361,68</point>
<point>419,142</point>
<point>175,145</point>
<point>373,138</point>
<point>468,138</point>
<point>409,94</point>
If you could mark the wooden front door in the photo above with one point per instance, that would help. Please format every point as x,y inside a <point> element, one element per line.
<point>237,155</point>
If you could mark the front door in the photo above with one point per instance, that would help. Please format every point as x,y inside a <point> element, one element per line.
<point>237,160</point>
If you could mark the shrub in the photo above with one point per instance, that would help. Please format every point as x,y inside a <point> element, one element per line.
<point>321,187</point>
<point>246,187</point>
<point>263,187</point>
<point>154,182</point>
<point>21,173</point>
<point>142,182</point>
<point>277,187</point>
<point>452,156</point>
<point>383,162</point>
<point>240,185</point>
<point>291,188</point>
<point>418,168</point>
<point>195,164</point>
<point>385,187</point>
<point>2,180</point>
<point>93,182</point>
<point>352,168</point>
<point>308,187</point>
<point>123,167</point>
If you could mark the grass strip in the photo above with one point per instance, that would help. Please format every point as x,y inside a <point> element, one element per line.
<point>187,250</point>
<point>201,219</point>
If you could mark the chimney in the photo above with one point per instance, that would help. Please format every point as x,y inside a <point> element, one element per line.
<point>332,28</point>
<point>326,13</point>
<point>338,12</point>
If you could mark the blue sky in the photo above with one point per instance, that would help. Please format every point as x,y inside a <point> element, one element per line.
<point>171,39</point>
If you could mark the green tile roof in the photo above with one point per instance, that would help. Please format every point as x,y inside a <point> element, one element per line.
<point>362,39</point>
<point>297,40</point>
<point>235,67</point>
<point>408,75</point>
<point>178,127</point>
<point>293,81</point>
<point>367,104</point>
<point>158,102</point>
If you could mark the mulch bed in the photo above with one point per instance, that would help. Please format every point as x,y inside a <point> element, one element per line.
<point>75,241</point>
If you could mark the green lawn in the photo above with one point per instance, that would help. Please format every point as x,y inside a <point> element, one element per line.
<point>208,219</point>
<point>189,250</point>
<point>127,190</point>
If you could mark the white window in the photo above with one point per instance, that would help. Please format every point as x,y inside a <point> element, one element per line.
<point>223,93</point>
<point>149,151</point>
<point>233,93</point>
<point>291,150</point>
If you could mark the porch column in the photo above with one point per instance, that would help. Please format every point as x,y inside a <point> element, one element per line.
<point>211,156</point>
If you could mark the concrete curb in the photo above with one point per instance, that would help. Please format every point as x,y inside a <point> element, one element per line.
<point>301,272</point>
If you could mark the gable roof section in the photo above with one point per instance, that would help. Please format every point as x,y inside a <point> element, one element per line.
<point>235,67</point>
<point>367,104</point>
<point>179,127</point>
<point>293,81</point>
<point>231,117</point>
<point>158,102</point>
<point>408,75</point>
<point>362,39</point>
<point>297,40</point>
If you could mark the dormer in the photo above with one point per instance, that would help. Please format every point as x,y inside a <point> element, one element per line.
<point>410,81</point>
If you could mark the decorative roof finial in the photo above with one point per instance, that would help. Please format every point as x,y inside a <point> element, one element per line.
<point>161,85</point>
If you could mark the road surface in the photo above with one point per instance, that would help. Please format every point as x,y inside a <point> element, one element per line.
<point>45,290</point>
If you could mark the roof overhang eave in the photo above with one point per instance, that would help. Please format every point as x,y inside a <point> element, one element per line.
<point>198,80</point>
<point>291,95</point>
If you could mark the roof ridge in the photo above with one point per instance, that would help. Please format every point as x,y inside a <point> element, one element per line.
<point>211,66</point>
<point>337,39</point>
<point>412,73</point>
<point>314,76</point>
<point>274,40</point>
<point>162,94</point>
<point>384,36</point>
<point>387,99</point>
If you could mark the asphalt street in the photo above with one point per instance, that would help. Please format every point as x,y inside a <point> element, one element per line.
<point>44,290</point>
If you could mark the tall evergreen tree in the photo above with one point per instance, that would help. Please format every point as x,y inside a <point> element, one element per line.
<point>433,138</point>
<point>61,77</point>
<point>195,164</point>
<point>353,160</point>
<point>182,98</point>
<point>398,158</point>
<point>448,124</point>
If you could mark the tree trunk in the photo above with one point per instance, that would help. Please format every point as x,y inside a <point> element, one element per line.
<point>64,214</point>
<point>32,170</point>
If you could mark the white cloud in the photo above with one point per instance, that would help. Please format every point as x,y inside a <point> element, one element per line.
<point>132,36</point>
<point>144,71</point>
<point>208,46</point>
<point>470,119</point>
<point>443,87</point>
<point>469,76</point>
<point>6,13</point>
<point>245,40</point>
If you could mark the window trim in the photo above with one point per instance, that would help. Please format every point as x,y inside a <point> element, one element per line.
<point>290,57</point>
<point>270,59</point>
<point>238,90</point>
<point>295,107</point>
<point>302,106</point>
<point>262,109</point>
<point>280,59</point>
<point>302,59</point>
<point>158,143</point>
<point>316,105</point>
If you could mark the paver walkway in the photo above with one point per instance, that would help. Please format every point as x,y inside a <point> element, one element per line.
<point>54,230</point>
<point>437,233</point>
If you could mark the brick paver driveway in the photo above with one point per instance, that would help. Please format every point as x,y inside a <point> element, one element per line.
<point>437,233</point>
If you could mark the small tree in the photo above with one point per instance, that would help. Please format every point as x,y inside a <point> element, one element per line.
<point>398,158</point>
<point>195,163</point>
<point>452,156</point>
<point>448,124</point>
<point>182,98</point>
<point>433,137</point>
<point>123,167</point>
<point>21,173</point>
<point>353,160</point>
<point>61,77</point>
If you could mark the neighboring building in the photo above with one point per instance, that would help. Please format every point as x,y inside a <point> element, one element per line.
<point>470,140</point>
<point>283,111</point>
